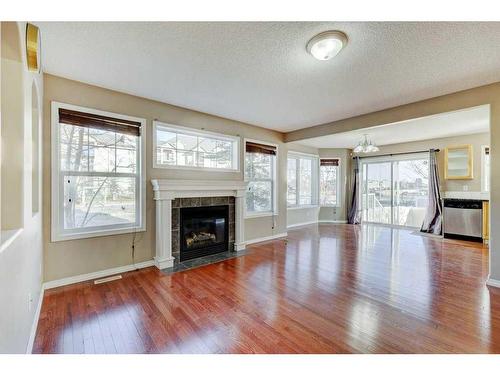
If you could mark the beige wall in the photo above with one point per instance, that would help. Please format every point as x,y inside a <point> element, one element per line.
<point>489,94</point>
<point>299,216</point>
<point>75,257</point>
<point>21,257</point>
<point>476,140</point>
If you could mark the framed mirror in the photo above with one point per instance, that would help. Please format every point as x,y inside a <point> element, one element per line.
<point>458,162</point>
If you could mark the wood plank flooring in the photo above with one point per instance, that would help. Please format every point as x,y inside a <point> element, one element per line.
<point>330,289</point>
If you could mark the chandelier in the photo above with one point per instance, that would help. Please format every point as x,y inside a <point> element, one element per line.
<point>365,146</point>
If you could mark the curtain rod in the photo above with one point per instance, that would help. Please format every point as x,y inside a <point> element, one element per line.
<point>396,153</point>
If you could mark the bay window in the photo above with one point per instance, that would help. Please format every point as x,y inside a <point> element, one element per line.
<point>98,181</point>
<point>302,180</point>
<point>260,174</point>
<point>329,182</point>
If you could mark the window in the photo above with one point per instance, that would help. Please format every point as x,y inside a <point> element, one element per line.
<point>329,182</point>
<point>179,147</point>
<point>260,166</point>
<point>98,186</point>
<point>395,189</point>
<point>485,169</point>
<point>302,180</point>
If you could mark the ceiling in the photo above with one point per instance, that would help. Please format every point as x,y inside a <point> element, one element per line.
<point>260,72</point>
<point>449,124</point>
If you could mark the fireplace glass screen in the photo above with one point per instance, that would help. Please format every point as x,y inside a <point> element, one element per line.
<point>204,231</point>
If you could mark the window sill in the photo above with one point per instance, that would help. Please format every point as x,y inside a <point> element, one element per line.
<point>260,214</point>
<point>303,207</point>
<point>111,232</point>
<point>189,168</point>
<point>330,205</point>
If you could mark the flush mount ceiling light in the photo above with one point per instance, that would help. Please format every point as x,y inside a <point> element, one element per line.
<point>365,146</point>
<point>326,45</point>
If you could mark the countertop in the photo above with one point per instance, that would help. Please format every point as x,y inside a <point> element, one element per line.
<point>467,195</point>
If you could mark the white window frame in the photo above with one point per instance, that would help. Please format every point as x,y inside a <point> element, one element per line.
<point>314,180</point>
<point>200,133</point>
<point>274,211</point>
<point>338,183</point>
<point>58,233</point>
<point>483,170</point>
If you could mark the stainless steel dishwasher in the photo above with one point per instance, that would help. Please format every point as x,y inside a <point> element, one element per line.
<point>463,219</point>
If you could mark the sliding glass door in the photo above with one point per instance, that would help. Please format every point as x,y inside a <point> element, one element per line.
<point>395,190</point>
<point>377,192</point>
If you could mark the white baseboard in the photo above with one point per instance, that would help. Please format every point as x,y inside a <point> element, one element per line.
<point>96,275</point>
<point>268,238</point>
<point>332,221</point>
<point>493,282</point>
<point>301,224</point>
<point>34,325</point>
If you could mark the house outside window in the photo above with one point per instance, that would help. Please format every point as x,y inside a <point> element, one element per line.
<point>180,147</point>
<point>98,173</point>
<point>302,180</point>
<point>260,174</point>
<point>329,177</point>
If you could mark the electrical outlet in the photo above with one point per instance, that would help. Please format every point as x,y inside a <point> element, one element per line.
<point>466,188</point>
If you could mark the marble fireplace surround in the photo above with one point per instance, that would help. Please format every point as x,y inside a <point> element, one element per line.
<point>165,191</point>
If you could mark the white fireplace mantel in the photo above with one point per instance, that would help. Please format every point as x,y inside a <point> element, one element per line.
<point>167,190</point>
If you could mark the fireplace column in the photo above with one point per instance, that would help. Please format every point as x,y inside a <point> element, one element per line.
<point>163,258</point>
<point>239,229</point>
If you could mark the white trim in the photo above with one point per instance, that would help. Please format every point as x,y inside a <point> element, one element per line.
<point>492,282</point>
<point>197,132</point>
<point>267,238</point>
<point>260,214</point>
<point>275,192</point>
<point>11,237</point>
<point>332,221</point>
<point>306,206</point>
<point>57,234</point>
<point>34,325</point>
<point>101,233</point>
<point>298,153</point>
<point>96,275</point>
<point>301,224</point>
<point>172,188</point>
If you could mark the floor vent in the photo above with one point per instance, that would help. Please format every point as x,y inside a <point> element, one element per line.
<point>107,279</point>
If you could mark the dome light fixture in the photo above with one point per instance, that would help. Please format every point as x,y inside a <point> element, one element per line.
<point>327,44</point>
<point>365,146</point>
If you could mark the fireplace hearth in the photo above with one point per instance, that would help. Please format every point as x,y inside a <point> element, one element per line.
<point>203,231</point>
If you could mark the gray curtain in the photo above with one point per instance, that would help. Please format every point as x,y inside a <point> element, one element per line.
<point>353,216</point>
<point>433,217</point>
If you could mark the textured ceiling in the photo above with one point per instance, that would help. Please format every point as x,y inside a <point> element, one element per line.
<point>260,73</point>
<point>468,121</point>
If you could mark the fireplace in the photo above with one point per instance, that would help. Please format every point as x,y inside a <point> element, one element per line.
<point>171,196</point>
<point>203,231</point>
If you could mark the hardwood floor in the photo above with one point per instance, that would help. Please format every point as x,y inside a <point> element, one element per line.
<point>330,289</point>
